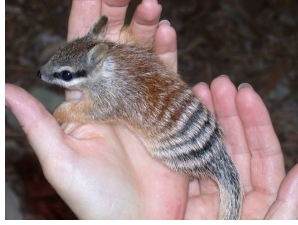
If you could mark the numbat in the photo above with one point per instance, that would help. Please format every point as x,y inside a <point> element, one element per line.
<point>126,83</point>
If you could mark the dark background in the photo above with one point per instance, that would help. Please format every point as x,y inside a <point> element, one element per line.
<point>251,41</point>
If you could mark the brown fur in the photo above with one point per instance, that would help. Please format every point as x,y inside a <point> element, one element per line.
<point>74,111</point>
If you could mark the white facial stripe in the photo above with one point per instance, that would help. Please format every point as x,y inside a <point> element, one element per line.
<point>68,83</point>
<point>60,69</point>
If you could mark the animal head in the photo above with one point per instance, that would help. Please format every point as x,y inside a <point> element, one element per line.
<point>76,61</point>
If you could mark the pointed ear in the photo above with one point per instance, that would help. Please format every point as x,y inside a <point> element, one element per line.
<point>98,30</point>
<point>97,55</point>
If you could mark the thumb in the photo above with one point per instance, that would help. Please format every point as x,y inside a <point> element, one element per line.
<point>42,130</point>
<point>286,204</point>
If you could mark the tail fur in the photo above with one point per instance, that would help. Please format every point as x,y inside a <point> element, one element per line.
<point>194,146</point>
<point>223,171</point>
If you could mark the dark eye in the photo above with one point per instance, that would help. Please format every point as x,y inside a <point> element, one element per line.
<point>66,75</point>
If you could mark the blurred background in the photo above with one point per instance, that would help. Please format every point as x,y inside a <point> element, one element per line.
<point>252,41</point>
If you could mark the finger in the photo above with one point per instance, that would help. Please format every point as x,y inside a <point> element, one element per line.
<point>223,95</point>
<point>82,16</point>
<point>288,190</point>
<point>286,204</point>
<point>42,130</point>
<point>267,166</point>
<point>165,45</point>
<point>84,13</point>
<point>115,11</point>
<point>203,92</point>
<point>145,20</point>
<point>145,25</point>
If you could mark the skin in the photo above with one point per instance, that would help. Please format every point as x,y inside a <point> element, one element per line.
<point>102,171</point>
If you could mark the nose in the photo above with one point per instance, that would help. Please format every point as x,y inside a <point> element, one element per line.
<point>39,74</point>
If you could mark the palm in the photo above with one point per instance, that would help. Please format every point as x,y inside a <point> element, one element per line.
<point>116,174</point>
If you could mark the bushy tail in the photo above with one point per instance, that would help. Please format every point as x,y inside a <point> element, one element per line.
<point>214,163</point>
<point>223,170</point>
<point>194,146</point>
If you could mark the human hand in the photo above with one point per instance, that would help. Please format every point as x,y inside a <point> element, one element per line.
<point>256,159</point>
<point>256,152</point>
<point>103,171</point>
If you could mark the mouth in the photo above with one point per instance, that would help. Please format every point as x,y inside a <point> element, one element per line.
<point>71,95</point>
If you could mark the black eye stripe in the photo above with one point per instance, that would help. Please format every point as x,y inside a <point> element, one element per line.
<point>80,73</point>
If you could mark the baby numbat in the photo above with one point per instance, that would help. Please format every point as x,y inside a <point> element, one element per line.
<point>125,82</point>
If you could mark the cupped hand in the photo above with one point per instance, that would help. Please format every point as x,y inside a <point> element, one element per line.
<point>255,150</point>
<point>102,171</point>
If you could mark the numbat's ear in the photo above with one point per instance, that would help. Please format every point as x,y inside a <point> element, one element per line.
<point>97,55</point>
<point>98,30</point>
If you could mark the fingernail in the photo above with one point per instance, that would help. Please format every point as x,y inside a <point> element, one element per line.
<point>244,85</point>
<point>164,22</point>
<point>203,83</point>
<point>149,0</point>
<point>223,75</point>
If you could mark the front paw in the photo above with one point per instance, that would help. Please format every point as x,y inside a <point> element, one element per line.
<point>61,114</point>
<point>72,112</point>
